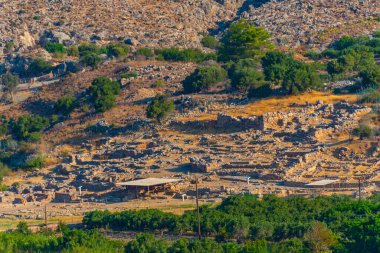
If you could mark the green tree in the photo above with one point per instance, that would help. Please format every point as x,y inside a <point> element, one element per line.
<point>244,40</point>
<point>301,77</point>
<point>275,66</point>
<point>203,78</point>
<point>370,76</point>
<point>103,93</point>
<point>160,108</point>
<point>10,83</point>
<point>146,243</point>
<point>244,75</point>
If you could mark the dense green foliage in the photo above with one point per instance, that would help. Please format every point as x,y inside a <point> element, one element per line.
<point>29,127</point>
<point>65,105</point>
<point>295,76</point>
<point>351,57</point>
<point>203,78</point>
<point>244,40</point>
<point>103,93</point>
<point>160,108</point>
<point>370,76</point>
<point>308,225</point>
<point>183,55</point>
<point>244,75</point>
<point>22,240</point>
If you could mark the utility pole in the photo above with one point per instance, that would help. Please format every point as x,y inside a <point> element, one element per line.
<point>360,189</point>
<point>46,218</point>
<point>198,213</point>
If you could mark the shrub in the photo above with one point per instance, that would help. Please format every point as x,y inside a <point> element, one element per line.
<point>73,51</point>
<point>147,52</point>
<point>313,55</point>
<point>160,108</point>
<point>65,105</point>
<point>57,48</point>
<point>38,67</point>
<point>203,78</point>
<point>363,131</point>
<point>185,55</point>
<point>158,83</point>
<point>210,42</point>
<point>27,126</point>
<point>35,162</point>
<point>91,60</point>
<point>118,50</point>
<point>244,75</point>
<point>85,49</point>
<point>129,74</point>
<point>103,91</point>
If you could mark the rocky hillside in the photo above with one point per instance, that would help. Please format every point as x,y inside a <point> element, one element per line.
<point>315,22</point>
<point>168,23</point>
<point>150,23</point>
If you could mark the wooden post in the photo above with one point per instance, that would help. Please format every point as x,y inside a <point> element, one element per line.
<point>360,189</point>
<point>198,213</point>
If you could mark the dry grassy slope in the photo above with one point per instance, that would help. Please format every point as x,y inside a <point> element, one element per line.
<point>130,103</point>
